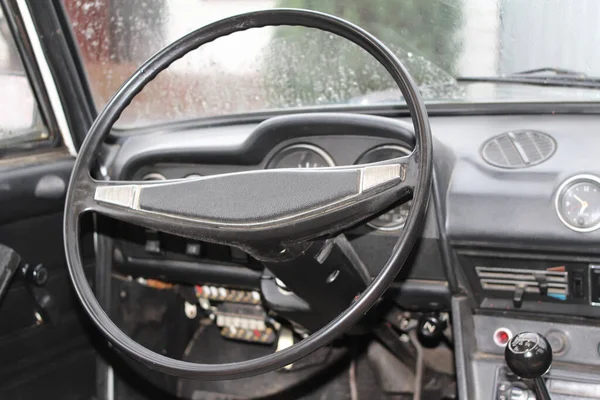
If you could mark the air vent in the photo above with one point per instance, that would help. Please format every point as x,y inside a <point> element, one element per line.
<point>518,149</point>
<point>507,279</point>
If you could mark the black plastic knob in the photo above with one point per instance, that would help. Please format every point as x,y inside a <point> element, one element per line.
<point>37,275</point>
<point>528,355</point>
<point>431,329</point>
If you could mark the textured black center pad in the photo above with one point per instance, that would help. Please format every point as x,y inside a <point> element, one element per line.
<point>253,197</point>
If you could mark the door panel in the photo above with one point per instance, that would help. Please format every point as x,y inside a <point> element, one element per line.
<point>41,358</point>
<point>32,189</point>
<point>47,356</point>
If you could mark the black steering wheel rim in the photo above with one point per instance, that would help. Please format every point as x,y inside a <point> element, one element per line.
<point>147,72</point>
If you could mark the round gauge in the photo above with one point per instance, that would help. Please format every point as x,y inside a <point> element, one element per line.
<point>301,156</point>
<point>395,218</point>
<point>578,203</point>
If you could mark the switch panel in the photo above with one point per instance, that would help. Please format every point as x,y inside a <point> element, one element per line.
<point>551,282</point>
<point>534,283</point>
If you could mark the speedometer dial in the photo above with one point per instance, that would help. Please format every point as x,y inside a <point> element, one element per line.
<point>578,203</point>
<point>395,218</point>
<point>301,156</point>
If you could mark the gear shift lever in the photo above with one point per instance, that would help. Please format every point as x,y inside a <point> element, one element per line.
<point>529,356</point>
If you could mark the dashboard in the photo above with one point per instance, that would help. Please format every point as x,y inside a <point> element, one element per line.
<point>522,239</point>
<point>510,241</point>
<point>518,195</point>
<point>330,141</point>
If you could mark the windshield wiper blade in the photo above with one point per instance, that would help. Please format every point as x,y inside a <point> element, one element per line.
<point>558,77</point>
<point>556,71</point>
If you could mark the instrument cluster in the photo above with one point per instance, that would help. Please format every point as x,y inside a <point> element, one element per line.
<point>311,156</point>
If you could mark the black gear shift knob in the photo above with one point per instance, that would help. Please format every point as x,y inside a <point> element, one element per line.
<point>528,355</point>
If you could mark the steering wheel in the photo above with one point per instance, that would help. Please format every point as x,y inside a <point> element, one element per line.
<point>283,210</point>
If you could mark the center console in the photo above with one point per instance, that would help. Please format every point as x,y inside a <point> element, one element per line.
<point>555,295</point>
<point>575,343</point>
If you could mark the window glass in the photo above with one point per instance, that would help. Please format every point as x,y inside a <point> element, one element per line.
<point>440,42</point>
<point>20,121</point>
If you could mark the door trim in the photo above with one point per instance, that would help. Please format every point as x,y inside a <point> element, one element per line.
<point>47,78</point>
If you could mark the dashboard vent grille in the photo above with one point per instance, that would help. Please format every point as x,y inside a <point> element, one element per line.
<point>518,149</point>
<point>507,279</point>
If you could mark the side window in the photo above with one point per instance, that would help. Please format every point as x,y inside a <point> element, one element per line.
<point>21,124</point>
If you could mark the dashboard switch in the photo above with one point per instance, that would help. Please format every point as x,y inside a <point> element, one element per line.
<point>518,296</point>
<point>595,285</point>
<point>239,256</point>
<point>558,341</point>
<point>192,249</point>
<point>577,285</point>
<point>502,336</point>
<point>152,246</point>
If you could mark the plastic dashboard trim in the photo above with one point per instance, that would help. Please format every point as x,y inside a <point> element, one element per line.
<point>244,144</point>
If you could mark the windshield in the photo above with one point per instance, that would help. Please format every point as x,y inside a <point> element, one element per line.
<point>292,67</point>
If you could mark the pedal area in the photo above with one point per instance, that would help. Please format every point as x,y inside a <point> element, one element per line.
<point>227,324</point>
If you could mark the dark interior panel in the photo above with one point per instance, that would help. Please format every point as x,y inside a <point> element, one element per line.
<point>42,353</point>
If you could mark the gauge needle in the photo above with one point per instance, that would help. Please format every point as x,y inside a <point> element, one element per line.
<point>583,207</point>
<point>584,204</point>
<point>578,199</point>
<point>304,155</point>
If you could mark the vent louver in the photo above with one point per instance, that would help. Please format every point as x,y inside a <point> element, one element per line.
<point>507,279</point>
<point>518,149</point>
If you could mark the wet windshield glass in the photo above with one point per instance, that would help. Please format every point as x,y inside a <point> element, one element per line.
<point>291,67</point>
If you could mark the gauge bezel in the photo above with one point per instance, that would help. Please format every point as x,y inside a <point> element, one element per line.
<point>406,152</point>
<point>302,146</point>
<point>154,176</point>
<point>562,190</point>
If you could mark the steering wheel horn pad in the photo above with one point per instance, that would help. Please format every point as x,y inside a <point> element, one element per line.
<point>342,196</point>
